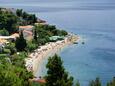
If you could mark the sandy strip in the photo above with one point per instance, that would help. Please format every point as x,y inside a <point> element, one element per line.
<point>37,57</point>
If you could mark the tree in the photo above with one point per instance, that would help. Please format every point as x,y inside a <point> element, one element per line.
<point>92,83</point>
<point>4,32</point>
<point>11,75</point>
<point>56,74</point>
<point>19,12</point>
<point>12,48</point>
<point>95,82</point>
<point>31,45</point>
<point>20,43</point>
<point>31,18</point>
<point>24,15</point>
<point>8,21</point>
<point>77,84</point>
<point>111,83</point>
<point>34,18</point>
<point>35,35</point>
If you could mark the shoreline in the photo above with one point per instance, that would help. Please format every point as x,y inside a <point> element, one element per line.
<point>49,49</point>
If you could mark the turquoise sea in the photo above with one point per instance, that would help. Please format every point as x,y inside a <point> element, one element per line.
<point>93,20</point>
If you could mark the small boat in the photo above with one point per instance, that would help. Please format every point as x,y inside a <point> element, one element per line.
<point>75,42</point>
<point>83,42</point>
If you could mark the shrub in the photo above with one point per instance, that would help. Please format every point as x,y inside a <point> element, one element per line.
<point>31,46</point>
<point>12,48</point>
<point>4,32</point>
<point>20,43</point>
<point>7,51</point>
<point>2,56</point>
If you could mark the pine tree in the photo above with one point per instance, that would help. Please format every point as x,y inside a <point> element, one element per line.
<point>11,75</point>
<point>35,35</point>
<point>56,74</point>
<point>95,82</point>
<point>20,43</point>
<point>19,12</point>
<point>111,83</point>
<point>92,83</point>
<point>77,84</point>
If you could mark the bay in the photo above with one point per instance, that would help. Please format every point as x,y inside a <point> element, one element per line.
<point>93,21</point>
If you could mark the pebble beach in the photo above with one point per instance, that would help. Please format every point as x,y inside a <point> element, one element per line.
<point>49,49</point>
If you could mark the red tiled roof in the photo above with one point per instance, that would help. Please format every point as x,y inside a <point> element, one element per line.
<point>41,81</point>
<point>29,32</point>
<point>26,27</point>
<point>38,80</point>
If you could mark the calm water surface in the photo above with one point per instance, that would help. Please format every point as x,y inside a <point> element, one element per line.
<point>93,20</point>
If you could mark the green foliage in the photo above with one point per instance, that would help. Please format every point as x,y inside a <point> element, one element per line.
<point>24,15</point>
<point>37,84</point>
<point>15,74</point>
<point>42,41</point>
<point>77,84</point>
<point>8,21</point>
<point>11,75</point>
<point>35,35</point>
<point>26,18</point>
<point>12,48</point>
<point>63,33</point>
<point>44,32</point>
<point>7,51</point>
<point>19,12</point>
<point>3,56</point>
<point>31,18</point>
<point>31,46</point>
<point>51,30</point>
<point>111,83</point>
<point>4,32</point>
<point>56,74</point>
<point>95,82</point>
<point>18,59</point>
<point>20,43</point>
